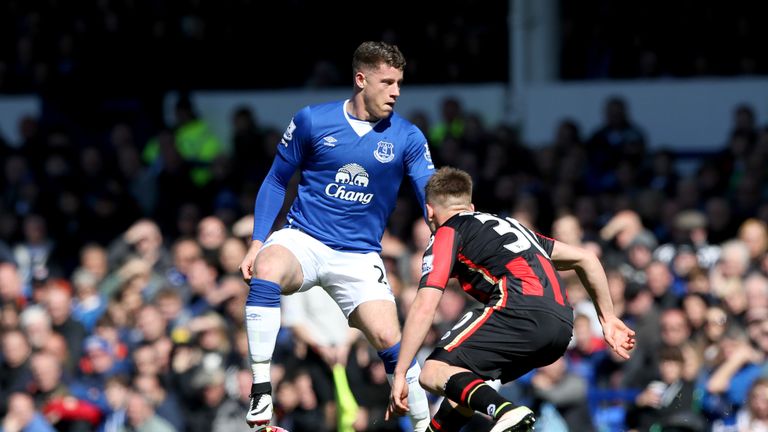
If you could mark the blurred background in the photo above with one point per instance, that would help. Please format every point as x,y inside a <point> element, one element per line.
<point>134,136</point>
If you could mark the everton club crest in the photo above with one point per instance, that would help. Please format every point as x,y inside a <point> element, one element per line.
<point>384,152</point>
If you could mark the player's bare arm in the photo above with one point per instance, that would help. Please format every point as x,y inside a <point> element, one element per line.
<point>592,275</point>
<point>415,330</point>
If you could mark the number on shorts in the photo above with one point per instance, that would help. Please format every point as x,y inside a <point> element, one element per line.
<point>381,274</point>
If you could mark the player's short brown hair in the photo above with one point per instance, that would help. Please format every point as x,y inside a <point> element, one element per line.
<point>370,54</point>
<point>447,183</point>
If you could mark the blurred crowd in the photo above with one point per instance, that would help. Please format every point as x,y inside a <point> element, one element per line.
<point>118,45</point>
<point>656,39</point>
<point>129,47</point>
<point>122,302</point>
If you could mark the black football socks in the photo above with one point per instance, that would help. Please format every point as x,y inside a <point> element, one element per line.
<point>469,390</point>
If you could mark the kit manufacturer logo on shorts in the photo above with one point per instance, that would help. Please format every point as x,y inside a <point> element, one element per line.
<point>385,152</point>
<point>348,178</point>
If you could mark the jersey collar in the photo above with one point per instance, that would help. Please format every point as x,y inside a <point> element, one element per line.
<point>361,127</point>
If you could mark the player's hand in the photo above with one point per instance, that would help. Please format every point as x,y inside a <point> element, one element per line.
<point>246,266</point>
<point>619,337</point>
<point>398,398</point>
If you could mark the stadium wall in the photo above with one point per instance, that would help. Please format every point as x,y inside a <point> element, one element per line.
<point>687,115</point>
<point>693,115</point>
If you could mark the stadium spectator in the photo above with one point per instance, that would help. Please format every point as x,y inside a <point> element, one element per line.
<point>15,353</point>
<point>89,304</point>
<point>726,383</point>
<point>142,240</point>
<point>230,256</point>
<point>695,307</point>
<point>11,285</point>
<point>617,139</point>
<point>753,417</point>
<point>642,314</point>
<point>93,258</point>
<point>229,414</point>
<point>116,392</point>
<point>554,384</point>
<point>99,363</point>
<point>587,350</point>
<point>36,325</point>
<point>23,417</point>
<point>669,396</point>
<point>140,416</point>
<point>194,141</point>
<point>36,255</point>
<point>689,231</point>
<point>754,233</point>
<point>659,280</point>
<point>54,399</point>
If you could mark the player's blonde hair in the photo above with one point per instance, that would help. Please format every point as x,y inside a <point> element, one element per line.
<point>449,184</point>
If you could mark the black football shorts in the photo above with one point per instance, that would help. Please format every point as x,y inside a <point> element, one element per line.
<point>504,344</point>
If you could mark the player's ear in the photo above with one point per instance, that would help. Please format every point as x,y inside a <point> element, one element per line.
<point>430,212</point>
<point>360,80</point>
<point>431,218</point>
<point>472,206</point>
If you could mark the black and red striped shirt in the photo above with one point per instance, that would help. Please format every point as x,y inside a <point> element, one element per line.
<point>497,261</point>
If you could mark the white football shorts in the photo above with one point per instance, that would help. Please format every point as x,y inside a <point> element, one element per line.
<point>349,278</point>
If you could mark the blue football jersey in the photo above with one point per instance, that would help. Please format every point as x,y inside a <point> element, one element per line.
<point>351,171</point>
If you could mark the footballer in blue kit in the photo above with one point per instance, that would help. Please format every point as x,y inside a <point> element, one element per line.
<point>351,172</point>
<point>352,156</point>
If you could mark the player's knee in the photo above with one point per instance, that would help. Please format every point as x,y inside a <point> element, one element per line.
<point>263,269</point>
<point>280,268</point>
<point>427,379</point>
<point>273,273</point>
<point>384,337</point>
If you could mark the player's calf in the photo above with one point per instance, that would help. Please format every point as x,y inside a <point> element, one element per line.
<point>417,397</point>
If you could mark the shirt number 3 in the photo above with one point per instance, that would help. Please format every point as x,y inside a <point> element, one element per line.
<point>524,239</point>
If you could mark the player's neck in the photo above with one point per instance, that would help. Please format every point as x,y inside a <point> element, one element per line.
<point>451,212</point>
<point>356,110</point>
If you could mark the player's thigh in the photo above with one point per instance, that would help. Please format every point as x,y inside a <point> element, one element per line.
<point>377,319</point>
<point>289,258</point>
<point>358,283</point>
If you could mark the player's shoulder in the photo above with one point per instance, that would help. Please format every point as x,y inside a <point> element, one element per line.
<point>323,108</point>
<point>308,113</point>
<point>313,116</point>
<point>403,123</point>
